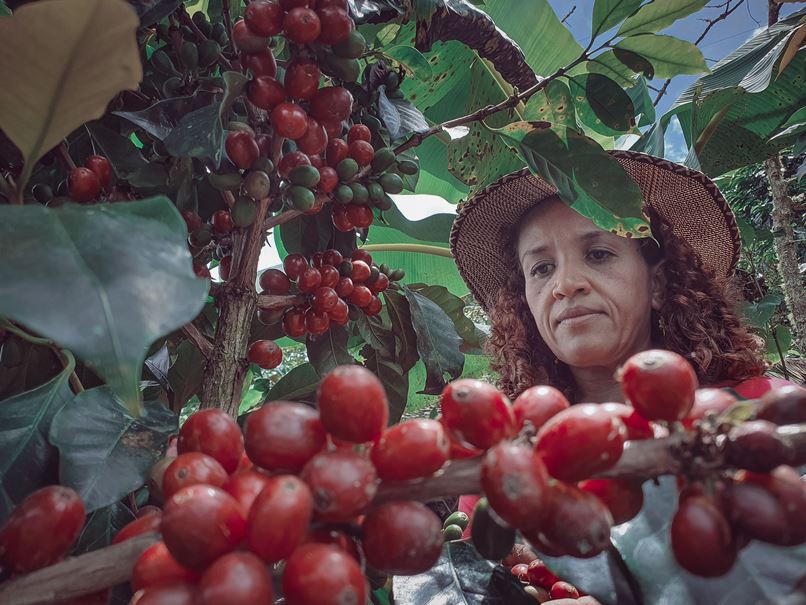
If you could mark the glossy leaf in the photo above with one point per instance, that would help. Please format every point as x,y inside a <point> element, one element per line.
<point>27,460</point>
<point>642,103</point>
<point>792,47</point>
<point>160,118</point>
<point>186,374</point>
<point>553,104</point>
<point>397,306</point>
<point>123,156</point>
<point>609,64</point>
<point>298,385</point>
<point>101,527</point>
<point>5,11</point>
<point>602,104</point>
<point>400,116</point>
<point>437,341</point>
<point>759,314</point>
<point>378,336</point>
<point>77,255</point>
<point>454,308</point>
<point>669,56</point>
<point>410,58</point>
<point>608,13</point>
<point>152,11</point>
<point>395,381</point>
<point>329,350</point>
<point>90,57</point>
<point>655,16</point>
<point>634,62</point>
<point>104,451</point>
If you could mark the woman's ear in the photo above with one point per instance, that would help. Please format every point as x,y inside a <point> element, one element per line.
<point>657,285</point>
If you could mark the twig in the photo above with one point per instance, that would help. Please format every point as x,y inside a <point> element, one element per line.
<point>571,12</point>
<point>64,154</point>
<point>711,22</point>
<point>227,22</point>
<point>279,219</point>
<point>204,345</point>
<point>278,301</point>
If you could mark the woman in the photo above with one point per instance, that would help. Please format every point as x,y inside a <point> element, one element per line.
<point>569,303</point>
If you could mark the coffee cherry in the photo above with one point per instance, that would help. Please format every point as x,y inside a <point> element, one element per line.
<point>638,427</point>
<point>373,307</point>
<point>563,590</point>
<point>317,322</point>
<point>283,436</point>
<point>402,538</point>
<point>340,219</point>
<point>332,104</point>
<point>330,276</point>
<point>597,436</point>
<point>314,141</point>
<point>359,132</point>
<point>328,179</point>
<point>624,498</point>
<point>238,577</point>
<point>578,524</point>
<point>200,523</point>
<point>289,120</point>
<point>785,485</point>
<point>352,404</point>
<point>289,4</point>
<point>215,433</point>
<point>309,280</point>
<point>245,486</point>
<point>708,400</point>
<point>783,405</point>
<point>362,255</point>
<point>41,529</point>
<point>83,184</point>
<point>274,281</point>
<point>192,468</point>
<point>659,384</point>
<point>360,216</point>
<point>173,594</point>
<point>260,64</point>
<point>143,524</point>
<point>361,271</point>
<point>336,151</point>
<point>279,519</point>
<point>257,184</point>
<point>100,166</point>
<point>755,512</point>
<point>224,266</point>
<point>540,543</point>
<point>245,40</point>
<point>222,222</point>
<point>336,24</point>
<point>538,574</point>
<point>755,446</point>
<point>477,412</point>
<point>379,285</point>
<point>321,574</point>
<point>302,25</point>
<point>294,265</point>
<point>340,314</point>
<point>360,296</point>
<point>342,483</point>
<point>411,449</point>
<point>294,323</point>
<point>302,80</point>
<point>537,404</point>
<point>362,152</point>
<point>324,299</point>
<point>157,567</point>
<point>242,149</point>
<point>702,541</point>
<point>515,482</point>
<point>264,18</point>
<point>265,353</point>
<point>265,92</point>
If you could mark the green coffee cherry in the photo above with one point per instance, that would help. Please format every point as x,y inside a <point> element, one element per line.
<point>300,198</point>
<point>391,183</point>
<point>346,70</point>
<point>376,192</point>
<point>408,167</point>
<point>225,182</point>
<point>360,193</point>
<point>347,169</point>
<point>257,184</point>
<point>201,237</point>
<point>385,203</point>
<point>384,268</point>
<point>189,55</point>
<point>163,64</point>
<point>306,176</point>
<point>353,47</point>
<point>452,532</point>
<point>209,52</point>
<point>371,122</point>
<point>397,275</point>
<point>42,193</point>
<point>171,86</point>
<point>234,125</point>
<point>346,268</point>
<point>384,157</point>
<point>457,518</point>
<point>205,27</point>
<point>219,33</point>
<point>343,194</point>
<point>244,211</point>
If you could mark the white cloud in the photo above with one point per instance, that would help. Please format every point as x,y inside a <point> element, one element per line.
<point>676,149</point>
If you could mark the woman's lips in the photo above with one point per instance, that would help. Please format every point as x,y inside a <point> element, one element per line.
<point>575,316</point>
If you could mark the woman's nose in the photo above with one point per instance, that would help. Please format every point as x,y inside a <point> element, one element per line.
<point>569,279</point>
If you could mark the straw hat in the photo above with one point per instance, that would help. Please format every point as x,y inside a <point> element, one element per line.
<point>688,200</point>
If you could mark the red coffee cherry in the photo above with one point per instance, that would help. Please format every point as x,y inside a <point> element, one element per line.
<point>336,24</point>
<point>175,594</point>
<point>290,161</point>
<point>192,220</point>
<point>101,167</point>
<point>411,449</point>
<point>261,63</point>
<point>784,405</point>
<point>294,323</point>
<point>702,541</point>
<point>222,222</point>
<point>247,41</point>
<point>157,567</point>
<point>359,132</point>
<point>373,307</point>
<point>224,266</point>
<point>302,79</point>
<point>342,483</point>
<point>330,276</point>
<point>624,498</point>
<point>638,427</point>
<point>294,265</point>
<point>477,412</point>
<point>265,92</point>
<point>362,152</point>
<point>324,299</point>
<point>245,487</point>
<point>239,577</point>
<point>143,524</point>
<point>289,4</point>
<point>200,523</point>
<point>362,255</point>
<point>264,18</point>
<point>537,404</point>
<point>309,280</point>
<point>83,184</point>
<point>274,281</point>
<point>314,141</point>
<point>340,219</point>
<point>360,216</point>
<point>324,575</point>
<point>328,179</point>
<point>516,484</point>
<point>563,590</point>
<point>289,120</point>
<point>279,519</point>
<point>317,322</point>
<point>789,491</point>
<point>192,468</point>
<point>361,271</point>
<point>332,104</point>
<point>379,285</point>
<point>242,149</point>
<point>283,436</point>
<point>402,537</point>
<point>265,353</point>
<point>336,151</point>
<point>352,404</point>
<point>215,433</point>
<point>538,574</point>
<point>708,400</point>
<point>659,384</point>
<point>756,446</point>
<point>333,128</point>
<point>41,529</point>
<point>345,287</point>
<point>302,25</point>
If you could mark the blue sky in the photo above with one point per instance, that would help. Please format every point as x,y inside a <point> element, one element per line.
<point>724,37</point>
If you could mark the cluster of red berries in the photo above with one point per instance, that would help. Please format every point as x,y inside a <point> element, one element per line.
<point>84,183</point>
<point>542,584</point>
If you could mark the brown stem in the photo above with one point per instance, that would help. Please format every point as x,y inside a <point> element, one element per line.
<point>278,301</point>
<point>201,341</point>
<point>67,159</point>
<point>227,22</point>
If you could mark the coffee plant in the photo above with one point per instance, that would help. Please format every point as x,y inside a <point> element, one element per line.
<point>150,150</point>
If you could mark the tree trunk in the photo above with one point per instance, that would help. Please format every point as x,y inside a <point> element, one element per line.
<point>783,217</point>
<point>225,372</point>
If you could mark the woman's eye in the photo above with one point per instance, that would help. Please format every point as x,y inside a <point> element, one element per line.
<point>541,270</point>
<point>600,254</point>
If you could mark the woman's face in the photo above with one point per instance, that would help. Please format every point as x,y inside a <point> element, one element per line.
<point>591,292</point>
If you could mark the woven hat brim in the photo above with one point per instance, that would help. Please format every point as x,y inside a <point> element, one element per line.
<point>689,201</point>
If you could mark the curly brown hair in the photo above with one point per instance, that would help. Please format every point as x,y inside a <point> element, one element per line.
<point>698,320</point>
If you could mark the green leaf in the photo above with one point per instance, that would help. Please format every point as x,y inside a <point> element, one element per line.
<point>55,78</point>
<point>405,337</point>
<point>602,104</point>
<point>186,374</point>
<point>410,58</point>
<point>124,157</point>
<point>395,381</point>
<point>78,255</point>
<point>552,104</point>
<point>636,63</point>
<point>455,309</point>
<point>101,527</point>
<point>105,452</point>
<point>375,334</point>
<point>5,11</point>
<point>152,11</point>
<point>656,16</point>
<point>198,135</point>
<point>608,64</point>
<point>758,315</point>
<point>779,344</point>
<point>27,460</point>
<point>160,118</point>
<point>607,13</point>
<point>642,103</point>
<point>329,350</point>
<point>437,341</point>
<point>435,228</point>
<point>298,385</point>
<point>669,56</point>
